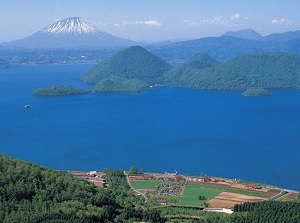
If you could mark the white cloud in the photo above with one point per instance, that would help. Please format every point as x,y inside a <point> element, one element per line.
<point>153,23</point>
<point>235,16</point>
<point>218,20</point>
<point>281,21</point>
<point>285,22</point>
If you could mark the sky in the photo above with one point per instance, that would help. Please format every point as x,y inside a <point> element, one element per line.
<point>152,20</point>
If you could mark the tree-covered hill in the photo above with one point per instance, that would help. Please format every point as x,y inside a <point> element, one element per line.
<point>30,193</point>
<point>198,62</point>
<point>133,62</point>
<point>265,70</point>
<point>119,84</point>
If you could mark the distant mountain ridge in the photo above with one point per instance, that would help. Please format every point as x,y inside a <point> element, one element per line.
<point>274,37</point>
<point>283,37</point>
<point>71,32</point>
<point>221,48</point>
<point>229,45</point>
<point>244,34</point>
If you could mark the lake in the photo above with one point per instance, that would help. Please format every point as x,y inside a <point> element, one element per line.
<point>160,129</point>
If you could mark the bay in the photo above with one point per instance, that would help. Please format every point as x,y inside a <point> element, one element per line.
<point>161,129</point>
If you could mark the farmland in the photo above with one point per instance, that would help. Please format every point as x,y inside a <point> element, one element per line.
<point>211,192</point>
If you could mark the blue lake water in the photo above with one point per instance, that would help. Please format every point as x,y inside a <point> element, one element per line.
<point>160,129</point>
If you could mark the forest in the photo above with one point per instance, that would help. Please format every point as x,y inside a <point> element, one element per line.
<point>30,193</point>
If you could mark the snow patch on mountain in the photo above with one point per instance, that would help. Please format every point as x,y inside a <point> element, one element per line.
<point>74,25</point>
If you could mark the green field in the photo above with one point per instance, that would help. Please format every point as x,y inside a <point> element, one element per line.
<point>191,192</point>
<point>144,184</point>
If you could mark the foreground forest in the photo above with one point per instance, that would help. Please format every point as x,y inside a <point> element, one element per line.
<point>31,193</point>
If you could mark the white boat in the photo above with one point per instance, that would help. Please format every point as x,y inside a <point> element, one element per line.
<point>27,106</point>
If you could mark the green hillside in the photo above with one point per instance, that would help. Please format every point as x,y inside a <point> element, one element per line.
<point>198,62</point>
<point>30,193</point>
<point>265,70</point>
<point>119,84</point>
<point>133,62</point>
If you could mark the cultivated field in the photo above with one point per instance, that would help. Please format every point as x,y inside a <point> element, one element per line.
<point>228,200</point>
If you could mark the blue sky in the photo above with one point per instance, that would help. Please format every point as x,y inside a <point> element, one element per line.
<point>152,20</point>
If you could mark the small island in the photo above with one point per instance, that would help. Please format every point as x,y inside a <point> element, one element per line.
<point>256,92</point>
<point>59,91</point>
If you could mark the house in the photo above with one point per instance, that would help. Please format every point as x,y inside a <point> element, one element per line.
<point>162,202</point>
<point>196,179</point>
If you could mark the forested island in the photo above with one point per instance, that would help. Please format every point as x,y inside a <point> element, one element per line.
<point>31,193</point>
<point>59,91</point>
<point>256,92</point>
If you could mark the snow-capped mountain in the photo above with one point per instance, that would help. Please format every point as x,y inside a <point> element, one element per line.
<point>74,25</point>
<point>71,32</point>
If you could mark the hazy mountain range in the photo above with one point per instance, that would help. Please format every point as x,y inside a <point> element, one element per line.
<point>229,45</point>
<point>74,35</point>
